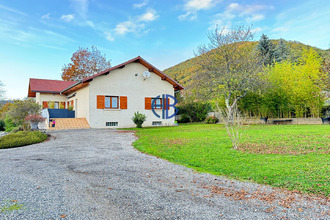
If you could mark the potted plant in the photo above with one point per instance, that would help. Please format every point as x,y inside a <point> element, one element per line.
<point>53,124</point>
<point>34,120</point>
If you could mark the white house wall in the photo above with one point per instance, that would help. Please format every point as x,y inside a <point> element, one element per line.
<point>81,103</point>
<point>123,82</point>
<point>46,97</point>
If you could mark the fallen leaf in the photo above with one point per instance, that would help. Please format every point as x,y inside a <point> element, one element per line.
<point>63,216</point>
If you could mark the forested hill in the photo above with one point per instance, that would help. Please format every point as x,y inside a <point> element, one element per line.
<point>182,71</point>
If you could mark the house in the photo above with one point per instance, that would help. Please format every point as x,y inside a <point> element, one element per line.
<point>110,98</point>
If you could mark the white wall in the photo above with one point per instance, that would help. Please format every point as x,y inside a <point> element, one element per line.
<point>81,107</point>
<point>123,82</point>
<point>45,97</point>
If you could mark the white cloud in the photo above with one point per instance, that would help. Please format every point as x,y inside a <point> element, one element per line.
<point>80,7</point>
<point>109,37</point>
<point>128,26</point>
<point>46,16</point>
<point>257,17</point>
<point>137,24</point>
<point>281,29</point>
<point>258,29</point>
<point>150,15</point>
<point>249,13</point>
<point>193,6</point>
<point>67,18</point>
<point>188,16</point>
<point>12,10</point>
<point>140,5</point>
<point>196,5</point>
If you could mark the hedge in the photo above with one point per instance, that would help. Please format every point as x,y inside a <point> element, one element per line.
<point>22,138</point>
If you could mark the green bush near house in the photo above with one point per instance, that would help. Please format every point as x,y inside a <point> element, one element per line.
<point>211,120</point>
<point>9,124</point>
<point>22,138</point>
<point>138,119</point>
<point>2,125</point>
<point>194,111</point>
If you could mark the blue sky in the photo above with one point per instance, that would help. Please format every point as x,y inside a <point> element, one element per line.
<point>38,37</point>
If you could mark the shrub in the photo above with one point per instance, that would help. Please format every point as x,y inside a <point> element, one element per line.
<point>196,111</point>
<point>2,125</point>
<point>138,119</point>
<point>22,138</point>
<point>211,120</point>
<point>34,118</point>
<point>70,108</point>
<point>62,106</point>
<point>51,105</point>
<point>16,129</point>
<point>9,124</point>
<point>20,109</point>
<point>184,118</point>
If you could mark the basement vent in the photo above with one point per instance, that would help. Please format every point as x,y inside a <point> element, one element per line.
<point>156,123</point>
<point>111,124</point>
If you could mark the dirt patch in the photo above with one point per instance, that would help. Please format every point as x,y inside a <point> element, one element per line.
<point>281,149</point>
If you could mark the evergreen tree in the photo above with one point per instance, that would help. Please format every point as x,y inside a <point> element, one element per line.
<point>266,50</point>
<point>281,51</point>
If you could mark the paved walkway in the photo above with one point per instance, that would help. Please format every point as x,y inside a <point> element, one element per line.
<point>97,174</point>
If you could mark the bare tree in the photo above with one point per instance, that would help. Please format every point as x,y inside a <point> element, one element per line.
<point>2,91</point>
<point>233,126</point>
<point>228,67</point>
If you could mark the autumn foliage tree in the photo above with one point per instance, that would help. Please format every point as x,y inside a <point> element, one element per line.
<point>84,62</point>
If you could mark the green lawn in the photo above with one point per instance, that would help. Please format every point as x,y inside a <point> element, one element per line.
<point>288,156</point>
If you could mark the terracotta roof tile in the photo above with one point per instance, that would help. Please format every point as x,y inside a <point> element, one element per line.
<point>46,85</point>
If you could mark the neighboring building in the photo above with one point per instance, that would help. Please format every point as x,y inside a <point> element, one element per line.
<point>109,98</point>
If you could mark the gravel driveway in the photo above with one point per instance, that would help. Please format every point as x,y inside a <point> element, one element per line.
<point>97,174</point>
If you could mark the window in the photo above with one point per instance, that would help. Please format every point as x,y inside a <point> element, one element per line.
<point>56,105</point>
<point>111,124</point>
<point>156,123</point>
<point>111,102</point>
<point>157,103</point>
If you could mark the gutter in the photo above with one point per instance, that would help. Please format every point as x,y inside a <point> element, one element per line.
<point>77,83</point>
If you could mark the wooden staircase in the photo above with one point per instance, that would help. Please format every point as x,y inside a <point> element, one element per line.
<point>69,123</point>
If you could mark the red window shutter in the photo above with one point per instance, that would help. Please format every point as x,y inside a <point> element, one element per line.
<point>45,104</point>
<point>123,102</point>
<point>72,103</point>
<point>67,105</point>
<point>100,101</point>
<point>147,103</point>
<point>167,104</point>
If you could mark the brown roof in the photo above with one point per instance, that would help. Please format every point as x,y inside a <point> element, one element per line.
<point>58,86</point>
<point>48,86</point>
<point>139,59</point>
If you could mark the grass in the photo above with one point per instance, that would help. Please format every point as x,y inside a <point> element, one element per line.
<point>11,207</point>
<point>22,138</point>
<point>294,157</point>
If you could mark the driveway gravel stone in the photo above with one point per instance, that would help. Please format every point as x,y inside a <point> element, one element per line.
<point>97,174</point>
